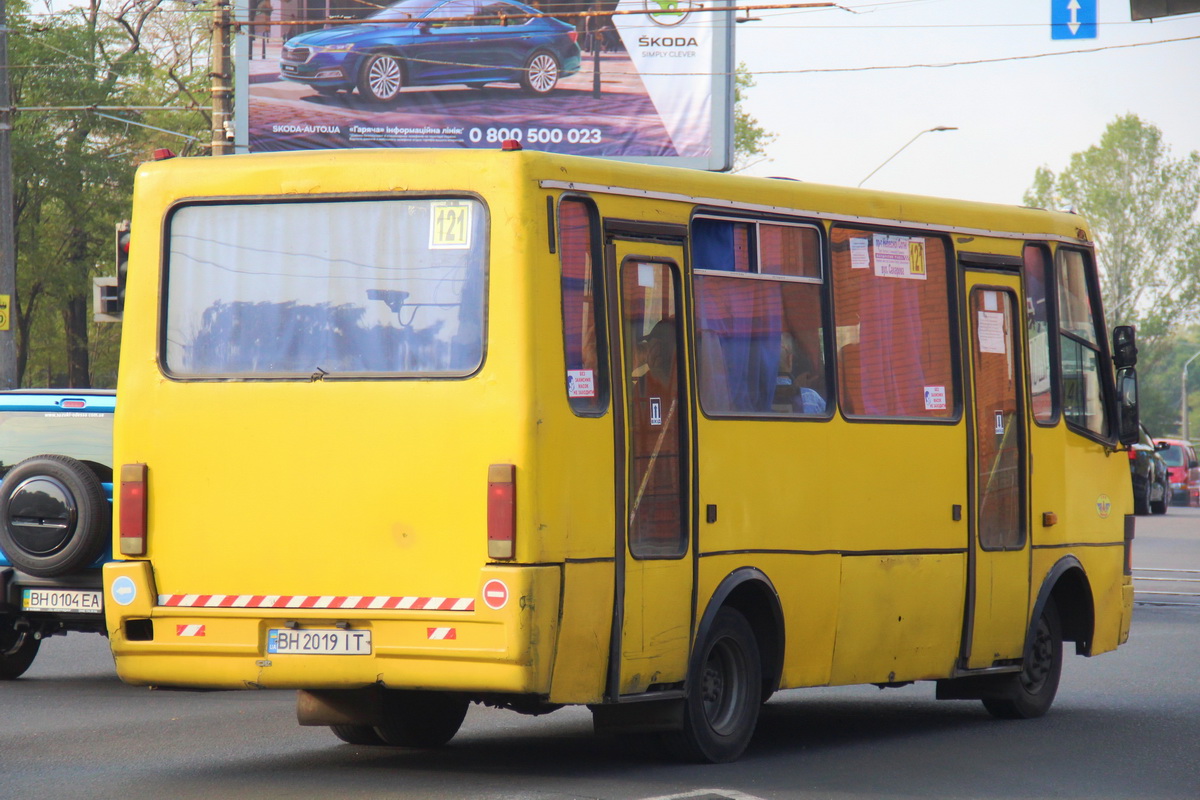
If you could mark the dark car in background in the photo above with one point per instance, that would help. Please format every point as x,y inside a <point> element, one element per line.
<point>1182,463</point>
<point>1151,480</point>
<point>432,42</point>
<point>55,517</point>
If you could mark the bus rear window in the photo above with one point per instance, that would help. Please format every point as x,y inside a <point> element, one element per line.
<point>332,288</point>
<point>83,436</point>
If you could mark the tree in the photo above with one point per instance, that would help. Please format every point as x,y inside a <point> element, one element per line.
<point>74,162</point>
<point>1141,204</point>
<point>750,140</point>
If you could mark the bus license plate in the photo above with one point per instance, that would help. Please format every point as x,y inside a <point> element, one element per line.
<point>285,641</point>
<point>82,601</point>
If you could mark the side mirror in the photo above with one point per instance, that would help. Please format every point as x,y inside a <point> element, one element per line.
<point>1125,350</point>
<point>1193,464</point>
<point>1127,405</point>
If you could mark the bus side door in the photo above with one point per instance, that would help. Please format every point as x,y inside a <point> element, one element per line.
<point>653,622</point>
<point>1000,549</point>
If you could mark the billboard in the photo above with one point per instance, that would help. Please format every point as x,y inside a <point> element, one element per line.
<point>644,80</point>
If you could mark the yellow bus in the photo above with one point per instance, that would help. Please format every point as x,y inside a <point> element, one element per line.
<point>407,431</point>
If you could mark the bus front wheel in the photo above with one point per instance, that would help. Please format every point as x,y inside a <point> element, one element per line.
<point>421,719</point>
<point>721,708</point>
<point>1030,692</point>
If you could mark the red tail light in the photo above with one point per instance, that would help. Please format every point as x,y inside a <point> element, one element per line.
<point>574,36</point>
<point>501,511</point>
<point>133,510</point>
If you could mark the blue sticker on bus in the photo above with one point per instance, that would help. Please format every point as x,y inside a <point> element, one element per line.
<point>124,590</point>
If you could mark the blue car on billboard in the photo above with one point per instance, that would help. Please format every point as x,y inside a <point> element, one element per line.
<point>434,42</point>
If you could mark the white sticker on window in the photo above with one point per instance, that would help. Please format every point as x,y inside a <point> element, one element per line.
<point>990,328</point>
<point>991,301</point>
<point>450,225</point>
<point>935,398</point>
<point>860,254</point>
<point>581,383</point>
<point>647,275</point>
<point>899,257</point>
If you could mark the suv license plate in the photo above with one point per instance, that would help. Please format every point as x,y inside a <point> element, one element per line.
<point>63,600</point>
<point>285,641</point>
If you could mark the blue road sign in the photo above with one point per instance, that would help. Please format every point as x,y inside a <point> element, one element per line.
<point>1073,19</point>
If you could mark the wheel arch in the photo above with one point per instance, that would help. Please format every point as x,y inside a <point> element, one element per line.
<point>1068,584</point>
<point>750,592</point>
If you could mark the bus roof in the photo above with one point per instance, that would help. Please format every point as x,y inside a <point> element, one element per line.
<point>319,172</point>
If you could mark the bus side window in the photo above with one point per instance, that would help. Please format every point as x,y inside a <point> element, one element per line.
<point>759,322</point>
<point>1039,324</point>
<point>892,304</point>
<point>1079,344</point>
<point>582,308</point>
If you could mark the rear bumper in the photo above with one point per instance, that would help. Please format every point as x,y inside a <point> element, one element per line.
<point>79,606</point>
<point>482,646</point>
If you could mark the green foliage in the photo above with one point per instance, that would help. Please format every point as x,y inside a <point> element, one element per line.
<point>1141,204</point>
<point>1160,389</point>
<point>86,82</point>
<point>750,140</point>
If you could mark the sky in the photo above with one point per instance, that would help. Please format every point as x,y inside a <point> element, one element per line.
<point>1013,116</point>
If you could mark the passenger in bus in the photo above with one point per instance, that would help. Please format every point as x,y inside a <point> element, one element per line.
<point>656,357</point>
<point>799,386</point>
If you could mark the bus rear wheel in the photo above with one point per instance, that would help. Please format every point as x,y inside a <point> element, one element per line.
<point>357,734</point>
<point>721,708</point>
<point>1030,692</point>
<point>421,719</point>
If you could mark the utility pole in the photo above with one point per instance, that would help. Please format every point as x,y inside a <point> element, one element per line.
<point>8,232</point>
<point>221,92</point>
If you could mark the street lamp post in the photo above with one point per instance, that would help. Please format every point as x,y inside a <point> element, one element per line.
<point>906,144</point>
<point>1183,403</point>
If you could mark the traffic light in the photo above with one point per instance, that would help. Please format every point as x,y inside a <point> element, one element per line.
<point>122,261</point>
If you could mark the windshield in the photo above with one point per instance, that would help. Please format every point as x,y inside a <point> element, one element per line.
<point>405,9</point>
<point>337,288</point>
<point>1173,455</point>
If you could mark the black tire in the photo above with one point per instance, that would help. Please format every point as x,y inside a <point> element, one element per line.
<point>381,78</point>
<point>17,650</point>
<point>541,72</point>
<point>421,719</point>
<point>54,517</point>
<point>1030,693</point>
<point>357,734</point>
<point>724,696</point>
<point>1159,507</point>
<point>1141,498</point>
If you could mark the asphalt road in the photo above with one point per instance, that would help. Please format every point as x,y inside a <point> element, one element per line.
<point>1125,725</point>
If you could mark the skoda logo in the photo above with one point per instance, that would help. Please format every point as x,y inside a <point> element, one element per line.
<point>669,13</point>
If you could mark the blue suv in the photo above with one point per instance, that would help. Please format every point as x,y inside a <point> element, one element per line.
<point>55,517</point>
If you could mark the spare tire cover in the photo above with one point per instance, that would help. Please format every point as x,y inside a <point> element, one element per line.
<point>54,517</point>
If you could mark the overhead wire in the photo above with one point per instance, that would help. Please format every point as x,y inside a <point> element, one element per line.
<point>779,9</point>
